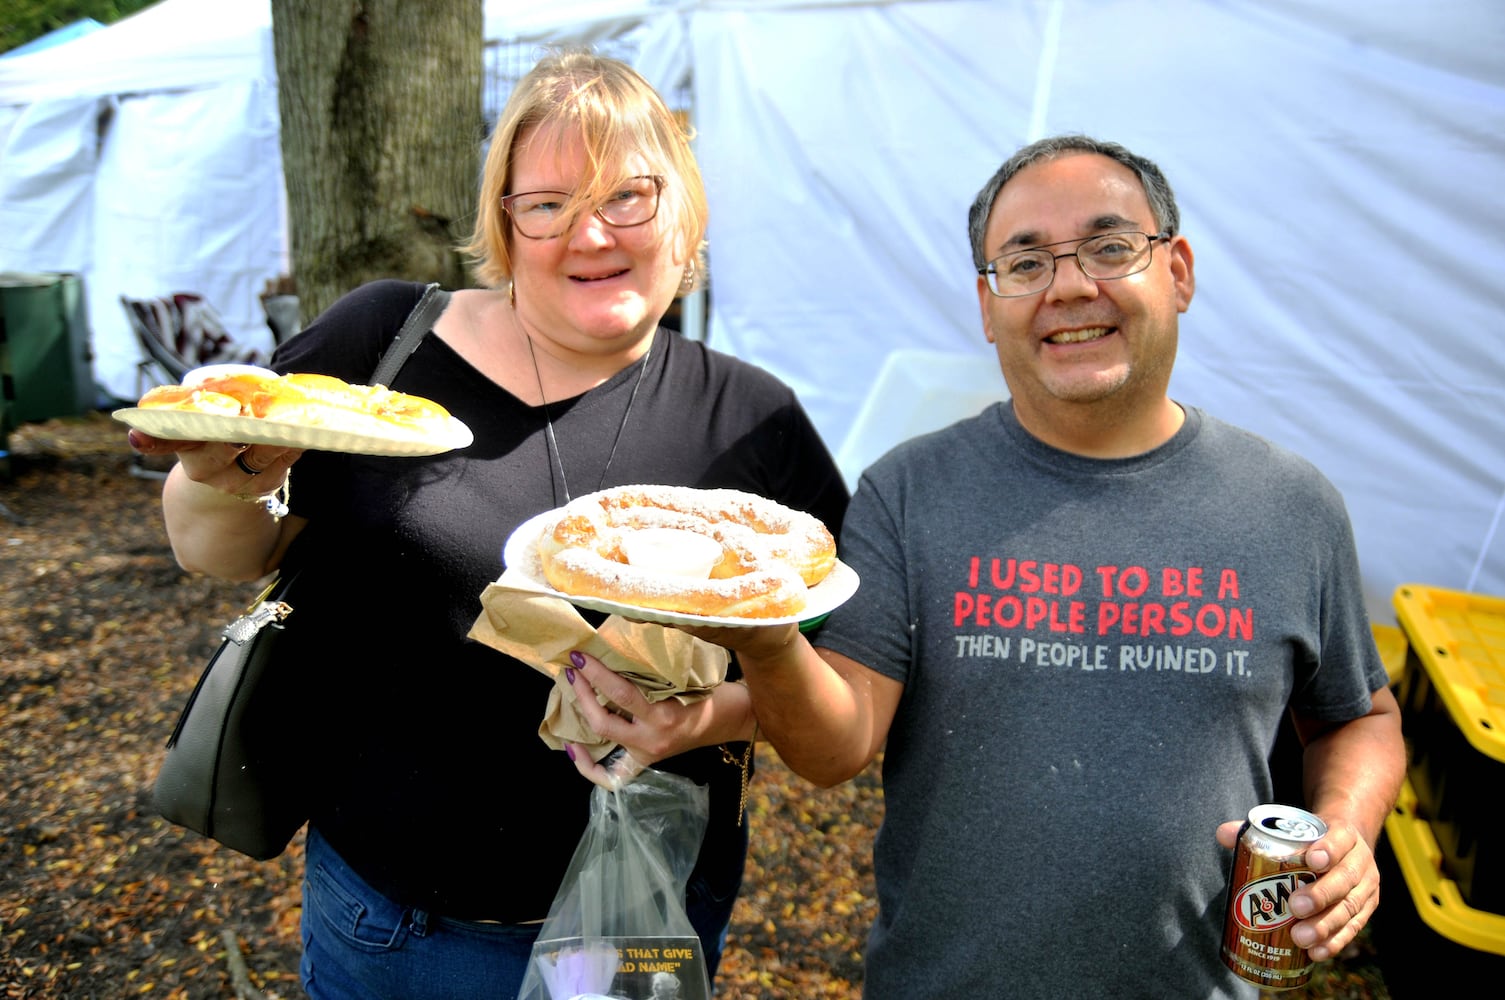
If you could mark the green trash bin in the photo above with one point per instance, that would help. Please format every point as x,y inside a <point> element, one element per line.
<point>45,361</point>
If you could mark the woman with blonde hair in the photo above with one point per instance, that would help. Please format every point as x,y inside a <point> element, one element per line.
<point>440,824</point>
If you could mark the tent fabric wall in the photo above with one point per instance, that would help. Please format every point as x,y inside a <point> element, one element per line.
<point>145,158</point>
<point>1336,163</point>
<point>884,115</point>
<point>51,152</point>
<point>188,196</point>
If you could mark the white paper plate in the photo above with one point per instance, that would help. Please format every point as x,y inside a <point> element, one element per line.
<point>525,568</point>
<point>185,425</point>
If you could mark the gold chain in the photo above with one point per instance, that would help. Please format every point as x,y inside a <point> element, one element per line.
<point>745,763</point>
<point>551,443</point>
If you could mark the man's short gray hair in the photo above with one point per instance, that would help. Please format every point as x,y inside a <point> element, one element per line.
<point>1156,188</point>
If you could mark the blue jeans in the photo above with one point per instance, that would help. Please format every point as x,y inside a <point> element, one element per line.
<point>359,945</point>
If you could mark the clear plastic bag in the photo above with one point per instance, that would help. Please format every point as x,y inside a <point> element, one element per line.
<point>617,929</point>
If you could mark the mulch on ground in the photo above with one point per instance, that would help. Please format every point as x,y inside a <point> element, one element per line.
<point>102,637</point>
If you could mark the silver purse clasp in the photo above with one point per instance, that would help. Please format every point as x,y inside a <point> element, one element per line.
<point>245,628</point>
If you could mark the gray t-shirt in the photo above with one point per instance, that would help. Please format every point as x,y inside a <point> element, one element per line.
<point>1096,658</point>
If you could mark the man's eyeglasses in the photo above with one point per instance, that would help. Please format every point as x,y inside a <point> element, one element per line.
<point>541,215</point>
<point>1102,258</point>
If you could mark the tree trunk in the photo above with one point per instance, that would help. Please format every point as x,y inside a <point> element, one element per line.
<point>380,103</point>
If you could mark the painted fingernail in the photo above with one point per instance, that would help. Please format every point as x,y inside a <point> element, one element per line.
<point>569,676</point>
<point>135,440</point>
<point>578,659</point>
<point>569,751</point>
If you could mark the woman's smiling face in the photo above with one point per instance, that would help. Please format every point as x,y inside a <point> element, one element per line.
<point>595,285</point>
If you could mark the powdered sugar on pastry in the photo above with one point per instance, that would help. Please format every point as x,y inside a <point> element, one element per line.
<point>768,555</point>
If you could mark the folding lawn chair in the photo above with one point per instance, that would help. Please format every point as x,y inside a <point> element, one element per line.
<point>179,332</point>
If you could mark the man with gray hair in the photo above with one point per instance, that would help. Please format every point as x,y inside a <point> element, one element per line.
<point>1083,615</point>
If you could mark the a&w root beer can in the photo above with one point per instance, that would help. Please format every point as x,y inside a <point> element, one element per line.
<point>1268,865</point>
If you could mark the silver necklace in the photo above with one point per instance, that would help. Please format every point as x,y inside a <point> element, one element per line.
<point>552,443</point>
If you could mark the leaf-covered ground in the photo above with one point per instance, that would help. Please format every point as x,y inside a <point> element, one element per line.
<point>102,637</point>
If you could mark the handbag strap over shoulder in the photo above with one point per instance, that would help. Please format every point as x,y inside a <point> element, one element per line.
<point>419,322</point>
<point>417,326</point>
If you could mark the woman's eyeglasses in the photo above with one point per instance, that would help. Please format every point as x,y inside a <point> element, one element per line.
<point>541,215</point>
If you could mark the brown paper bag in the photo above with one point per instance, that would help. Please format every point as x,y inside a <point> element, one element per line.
<point>542,630</point>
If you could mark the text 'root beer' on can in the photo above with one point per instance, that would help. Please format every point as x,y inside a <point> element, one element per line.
<point>1269,864</point>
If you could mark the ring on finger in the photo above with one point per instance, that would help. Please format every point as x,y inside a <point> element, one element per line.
<point>244,466</point>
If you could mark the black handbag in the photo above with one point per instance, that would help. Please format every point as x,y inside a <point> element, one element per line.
<point>216,779</point>
<point>231,771</point>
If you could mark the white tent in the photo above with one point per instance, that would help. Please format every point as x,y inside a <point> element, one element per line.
<point>145,158</point>
<point>1337,163</point>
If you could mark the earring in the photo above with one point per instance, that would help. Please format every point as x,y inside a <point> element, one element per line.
<point>512,294</point>
<point>687,282</point>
